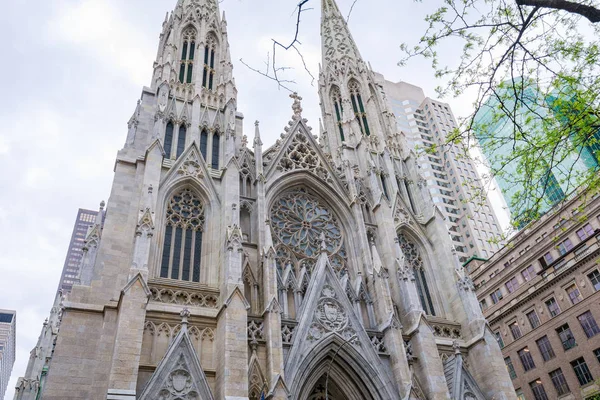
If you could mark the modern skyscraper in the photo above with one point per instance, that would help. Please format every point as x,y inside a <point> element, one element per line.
<point>496,132</point>
<point>452,179</point>
<point>8,332</point>
<point>297,272</point>
<point>71,269</point>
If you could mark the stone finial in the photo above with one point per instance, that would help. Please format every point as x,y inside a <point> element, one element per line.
<point>296,106</point>
<point>323,242</point>
<point>456,347</point>
<point>185,314</point>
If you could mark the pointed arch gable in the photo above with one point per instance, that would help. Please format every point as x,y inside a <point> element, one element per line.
<point>191,167</point>
<point>299,137</point>
<point>312,344</point>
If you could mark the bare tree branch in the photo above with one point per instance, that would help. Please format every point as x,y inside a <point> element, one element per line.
<point>589,12</point>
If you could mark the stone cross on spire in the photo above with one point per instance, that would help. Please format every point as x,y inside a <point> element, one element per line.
<point>296,106</point>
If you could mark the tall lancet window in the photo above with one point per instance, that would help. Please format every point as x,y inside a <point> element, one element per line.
<point>209,63</point>
<point>358,108</point>
<point>169,139</point>
<point>186,69</point>
<point>215,151</point>
<point>204,143</point>
<point>181,140</point>
<point>182,249</point>
<point>413,259</point>
<point>336,97</point>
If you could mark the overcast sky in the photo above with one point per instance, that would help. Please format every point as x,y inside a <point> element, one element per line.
<point>72,72</point>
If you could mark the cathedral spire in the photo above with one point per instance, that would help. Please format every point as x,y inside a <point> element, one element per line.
<point>336,40</point>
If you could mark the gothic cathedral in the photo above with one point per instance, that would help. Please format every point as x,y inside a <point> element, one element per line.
<point>317,268</point>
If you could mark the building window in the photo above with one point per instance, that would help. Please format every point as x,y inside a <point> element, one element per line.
<point>538,390</point>
<point>204,144</point>
<point>496,296</point>
<point>499,339</point>
<point>566,337</point>
<point>574,294</point>
<point>187,56</point>
<point>559,382</point>
<point>564,246</point>
<point>520,395</point>
<point>533,318</point>
<point>597,354</point>
<point>411,252</point>
<point>182,246</point>
<point>588,323</point>
<point>168,139</point>
<point>553,308</point>
<point>526,359</point>
<point>594,277</point>
<point>515,330</point>
<point>548,258</point>
<point>528,273</point>
<point>512,285</point>
<point>339,110</point>
<point>483,305</point>
<point>585,232</point>
<point>181,140</point>
<point>359,110</point>
<point>545,348</point>
<point>584,376</point>
<point>510,367</point>
<point>215,151</point>
<point>209,63</point>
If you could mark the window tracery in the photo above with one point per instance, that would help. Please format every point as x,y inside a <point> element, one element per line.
<point>209,62</point>
<point>414,260</point>
<point>297,221</point>
<point>358,108</point>
<point>169,138</point>
<point>336,97</point>
<point>187,55</point>
<point>301,155</point>
<point>182,247</point>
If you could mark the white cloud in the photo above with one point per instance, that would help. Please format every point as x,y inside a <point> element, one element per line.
<point>98,29</point>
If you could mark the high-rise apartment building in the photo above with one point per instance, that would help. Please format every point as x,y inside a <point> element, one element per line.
<point>298,271</point>
<point>495,133</point>
<point>540,295</point>
<point>8,326</point>
<point>452,179</point>
<point>71,269</point>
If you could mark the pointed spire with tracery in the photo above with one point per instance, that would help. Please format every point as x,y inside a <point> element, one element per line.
<point>336,40</point>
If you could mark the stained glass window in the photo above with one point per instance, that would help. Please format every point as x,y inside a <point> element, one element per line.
<point>215,151</point>
<point>339,110</point>
<point>183,237</point>
<point>187,55</point>
<point>297,219</point>
<point>358,108</point>
<point>209,63</point>
<point>413,257</point>
<point>169,139</point>
<point>181,140</point>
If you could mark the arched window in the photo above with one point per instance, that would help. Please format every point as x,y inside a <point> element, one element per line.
<point>336,97</point>
<point>358,107</point>
<point>186,69</point>
<point>203,143</point>
<point>215,151</point>
<point>181,140</point>
<point>245,223</point>
<point>182,248</point>
<point>410,198</point>
<point>297,221</point>
<point>414,261</point>
<point>384,185</point>
<point>209,63</point>
<point>169,139</point>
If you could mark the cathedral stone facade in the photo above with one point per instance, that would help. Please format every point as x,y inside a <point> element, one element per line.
<point>317,268</point>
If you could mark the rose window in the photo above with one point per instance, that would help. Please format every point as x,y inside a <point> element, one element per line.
<point>298,220</point>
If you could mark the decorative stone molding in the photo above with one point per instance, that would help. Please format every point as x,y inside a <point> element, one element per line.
<point>287,333</point>
<point>330,316</point>
<point>378,343</point>
<point>446,331</point>
<point>255,331</point>
<point>184,297</point>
